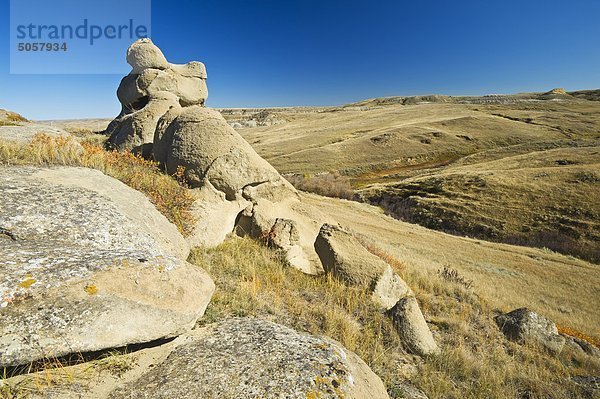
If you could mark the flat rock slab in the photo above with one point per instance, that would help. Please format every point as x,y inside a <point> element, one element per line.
<point>25,132</point>
<point>86,264</point>
<point>247,358</point>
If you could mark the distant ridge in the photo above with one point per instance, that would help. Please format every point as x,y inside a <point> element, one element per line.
<point>554,94</point>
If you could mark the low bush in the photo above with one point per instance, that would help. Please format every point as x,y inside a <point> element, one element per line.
<point>331,184</point>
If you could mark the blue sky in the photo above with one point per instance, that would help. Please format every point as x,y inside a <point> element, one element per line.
<point>277,53</point>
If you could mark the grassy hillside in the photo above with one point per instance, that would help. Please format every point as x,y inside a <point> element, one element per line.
<point>516,169</point>
<point>386,138</point>
<point>561,287</point>
<point>546,198</point>
<point>9,118</point>
<point>476,361</point>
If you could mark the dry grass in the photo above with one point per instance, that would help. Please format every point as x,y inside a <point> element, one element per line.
<point>544,199</point>
<point>251,280</point>
<point>170,196</point>
<point>578,334</point>
<point>452,275</point>
<point>115,362</point>
<point>407,149</point>
<point>52,377</point>
<point>14,117</point>
<point>476,361</point>
<point>331,184</point>
<point>564,289</point>
<point>373,248</point>
<point>44,377</point>
<point>8,118</point>
<point>379,138</point>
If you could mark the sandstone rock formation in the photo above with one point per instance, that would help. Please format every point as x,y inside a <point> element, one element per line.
<point>164,115</point>
<point>345,257</point>
<point>249,358</point>
<point>285,223</point>
<point>201,142</point>
<point>412,328</point>
<point>525,326</point>
<point>87,264</point>
<point>148,92</point>
<point>233,184</point>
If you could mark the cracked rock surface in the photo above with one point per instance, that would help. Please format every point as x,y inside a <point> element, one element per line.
<point>249,358</point>
<point>86,264</point>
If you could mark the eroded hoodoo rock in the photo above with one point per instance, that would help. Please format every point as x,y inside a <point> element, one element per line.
<point>238,191</point>
<point>148,92</point>
<point>164,115</point>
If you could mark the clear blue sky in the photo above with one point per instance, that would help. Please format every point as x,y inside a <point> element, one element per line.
<point>276,53</point>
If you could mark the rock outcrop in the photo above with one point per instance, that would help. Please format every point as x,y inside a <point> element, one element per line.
<point>200,141</point>
<point>525,326</point>
<point>25,132</point>
<point>580,346</point>
<point>250,358</point>
<point>343,255</point>
<point>234,186</point>
<point>87,264</point>
<point>148,92</point>
<point>164,115</point>
<point>285,223</point>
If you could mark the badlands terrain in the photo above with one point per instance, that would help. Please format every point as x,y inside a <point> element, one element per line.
<point>520,169</point>
<point>219,279</point>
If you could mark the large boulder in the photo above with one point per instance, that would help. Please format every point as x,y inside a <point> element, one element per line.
<point>200,141</point>
<point>525,326</point>
<point>87,264</point>
<point>246,358</point>
<point>152,87</point>
<point>216,217</point>
<point>346,258</point>
<point>143,54</point>
<point>343,255</point>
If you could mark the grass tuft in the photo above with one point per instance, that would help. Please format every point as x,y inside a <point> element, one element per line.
<point>170,195</point>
